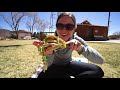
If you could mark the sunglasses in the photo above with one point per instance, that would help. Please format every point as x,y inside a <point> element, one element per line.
<point>61,26</point>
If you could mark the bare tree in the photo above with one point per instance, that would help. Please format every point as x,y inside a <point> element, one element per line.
<point>13,19</point>
<point>41,25</point>
<point>31,21</point>
<point>115,35</point>
<point>35,22</point>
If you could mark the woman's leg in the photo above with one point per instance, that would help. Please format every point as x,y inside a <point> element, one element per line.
<point>54,71</point>
<point>76,69</point>
<point>85,70</point>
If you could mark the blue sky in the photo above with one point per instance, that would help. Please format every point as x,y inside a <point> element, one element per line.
<point>96,18</point>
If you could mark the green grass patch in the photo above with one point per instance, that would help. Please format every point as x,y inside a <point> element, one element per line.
<point>19,58</point>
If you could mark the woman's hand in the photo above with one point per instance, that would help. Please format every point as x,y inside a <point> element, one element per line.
<point>74,45</point>
<point>47,50</point>
<point>38,43</point>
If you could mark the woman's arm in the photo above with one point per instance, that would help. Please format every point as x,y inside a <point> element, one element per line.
<point>88,52</point>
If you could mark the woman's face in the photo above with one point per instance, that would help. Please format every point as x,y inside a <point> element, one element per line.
<point>63,33</point>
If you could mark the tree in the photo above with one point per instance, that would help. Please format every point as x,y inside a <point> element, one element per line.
<point>115,35</point>
<point>41,25</point>
<point>35,22</point>
<point>34,34</point>
<point>13,19</point>
<point>31,21</point>
<point>37,35</point>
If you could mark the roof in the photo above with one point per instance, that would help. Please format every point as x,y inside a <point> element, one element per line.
<point>23,31</point>
<point>86,22</point>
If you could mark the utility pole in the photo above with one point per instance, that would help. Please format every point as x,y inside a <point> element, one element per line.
<point>108,20</point>
<point>52,17</point>
<point>58,13</point>
<point>51,21</point>
<point>108,23</point>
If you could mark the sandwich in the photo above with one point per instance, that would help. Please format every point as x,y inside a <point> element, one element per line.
<point>52,42</point>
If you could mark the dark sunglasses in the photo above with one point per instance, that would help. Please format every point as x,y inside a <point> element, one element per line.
<point>61,26</point>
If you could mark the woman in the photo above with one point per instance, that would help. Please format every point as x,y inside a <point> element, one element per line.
<point>60,62</point>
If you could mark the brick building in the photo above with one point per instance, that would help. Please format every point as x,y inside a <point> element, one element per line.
<point>92,32</point>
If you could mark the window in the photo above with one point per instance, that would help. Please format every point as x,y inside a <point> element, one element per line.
<point>96,31</point>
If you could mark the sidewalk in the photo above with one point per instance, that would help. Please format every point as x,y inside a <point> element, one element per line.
<point>108,41</point>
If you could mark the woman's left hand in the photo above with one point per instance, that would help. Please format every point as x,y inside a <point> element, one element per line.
<point>74,44</point>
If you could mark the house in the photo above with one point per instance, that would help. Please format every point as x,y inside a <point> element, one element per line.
<point>22,34</point>
<point>4,34</point>
<point>92,32</point>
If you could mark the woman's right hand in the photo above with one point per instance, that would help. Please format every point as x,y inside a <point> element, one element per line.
<point>38,43</point>
<point>47,50</point>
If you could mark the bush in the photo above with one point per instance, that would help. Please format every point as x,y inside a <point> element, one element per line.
<point>14,36</point>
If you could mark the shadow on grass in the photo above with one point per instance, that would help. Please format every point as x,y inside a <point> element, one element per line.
<point>11,46</point>
<point>14,45</point>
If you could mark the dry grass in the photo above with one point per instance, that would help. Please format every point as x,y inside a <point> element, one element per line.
<point>18,61</point>
<point>19,58</point>
<point>111,54</point>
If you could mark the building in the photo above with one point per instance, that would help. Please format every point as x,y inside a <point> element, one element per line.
<point>92,32</point>
<point>22,34</point>
<point>4,34</point>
